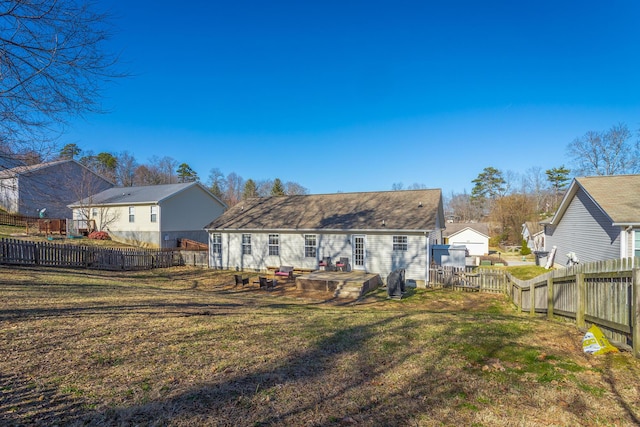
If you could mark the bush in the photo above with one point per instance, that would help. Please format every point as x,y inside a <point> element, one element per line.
<point>525,249</point>
<point>99,235</point>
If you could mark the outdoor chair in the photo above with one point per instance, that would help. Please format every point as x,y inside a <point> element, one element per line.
<point>343,264</point>
<point>266,283</point>
<point>241,280</point>
<point>284,271</point>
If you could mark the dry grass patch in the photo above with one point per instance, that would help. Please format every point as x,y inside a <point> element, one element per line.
<point>183,346</point>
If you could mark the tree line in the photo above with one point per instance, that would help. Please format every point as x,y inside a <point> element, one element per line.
<point>507,200</point>
<point>124,170</point>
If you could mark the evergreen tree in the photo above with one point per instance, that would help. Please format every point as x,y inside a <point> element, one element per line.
<point>186,174</point>
<point>69,152</point>
<point>250,189</point>
<point>558,178</point>
<point>278,188</point>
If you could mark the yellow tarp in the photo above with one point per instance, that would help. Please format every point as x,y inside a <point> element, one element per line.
<point>594,342</point>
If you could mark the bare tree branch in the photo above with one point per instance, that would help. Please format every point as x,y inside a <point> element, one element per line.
<point>53,65</point>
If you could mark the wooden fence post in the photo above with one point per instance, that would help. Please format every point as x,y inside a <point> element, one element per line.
<point>582,301</point>
<point>635,310</point>
<point>532,299</point>
<point>519,290</point>
<point>550,298</point>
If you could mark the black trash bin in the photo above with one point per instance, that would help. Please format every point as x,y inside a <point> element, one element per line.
<point>541,257</point>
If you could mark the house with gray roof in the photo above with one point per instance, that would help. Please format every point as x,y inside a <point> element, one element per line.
<point>28,189</point>
<point>598,219</point>
<point>473,235</point>
<point>377,232</point>
<point>150,216</point>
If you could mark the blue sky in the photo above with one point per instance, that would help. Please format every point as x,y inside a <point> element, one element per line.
<point>359,95</point>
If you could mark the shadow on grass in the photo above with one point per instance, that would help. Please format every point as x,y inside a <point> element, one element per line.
<point>365,393</point>
<point>24,402</point>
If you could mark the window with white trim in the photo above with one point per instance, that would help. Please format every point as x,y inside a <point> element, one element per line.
<point>274,244</point>
<point>400,243</point>
<point>216,243</point>
<point>132,214</point>
<point>154,213</point>
<point>246,244</point>
<point>310,247</point>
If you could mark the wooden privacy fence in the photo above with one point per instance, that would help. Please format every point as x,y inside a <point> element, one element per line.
<point>605,293</point>
<point>18,252</point>
<point>484,280</point>
<point>17,220</point>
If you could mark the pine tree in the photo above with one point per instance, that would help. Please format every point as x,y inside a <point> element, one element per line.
<point>278,188</point>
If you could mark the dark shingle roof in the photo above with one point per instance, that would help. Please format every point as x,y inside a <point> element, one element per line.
<point>400,210</point>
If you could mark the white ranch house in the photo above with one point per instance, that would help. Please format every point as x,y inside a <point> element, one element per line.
<point>377,231</point>
<point>152,216</point>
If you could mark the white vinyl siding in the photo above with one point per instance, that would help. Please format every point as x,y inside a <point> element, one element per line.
<point>380,257</point>
<point>475,242</point>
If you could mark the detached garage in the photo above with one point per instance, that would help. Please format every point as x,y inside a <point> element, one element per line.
<point>474,236</point>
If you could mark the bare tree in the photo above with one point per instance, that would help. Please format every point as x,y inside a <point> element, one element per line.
<point>125,169</point>
<point>157,171</point>
<point>52,65</point>
<point>535,184</point>
<point>461,208</point>
<point>264,187</point>
<point>233,190</point>
<point>216,183</point>
<point>605,153</point>
<point>510,212</point>
<point>293,189</point>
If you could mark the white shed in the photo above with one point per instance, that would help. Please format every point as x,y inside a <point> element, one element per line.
<point>475,236</point>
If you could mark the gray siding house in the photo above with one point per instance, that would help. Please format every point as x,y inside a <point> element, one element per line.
<point>598,219</point>
<point>377,231</point>
<point>26,190</point>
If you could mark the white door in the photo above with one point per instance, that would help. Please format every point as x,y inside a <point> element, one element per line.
<point>359,253</point>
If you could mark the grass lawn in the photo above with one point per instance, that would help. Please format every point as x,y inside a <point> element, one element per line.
<point>184,347</point>
<point>24,233</point>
